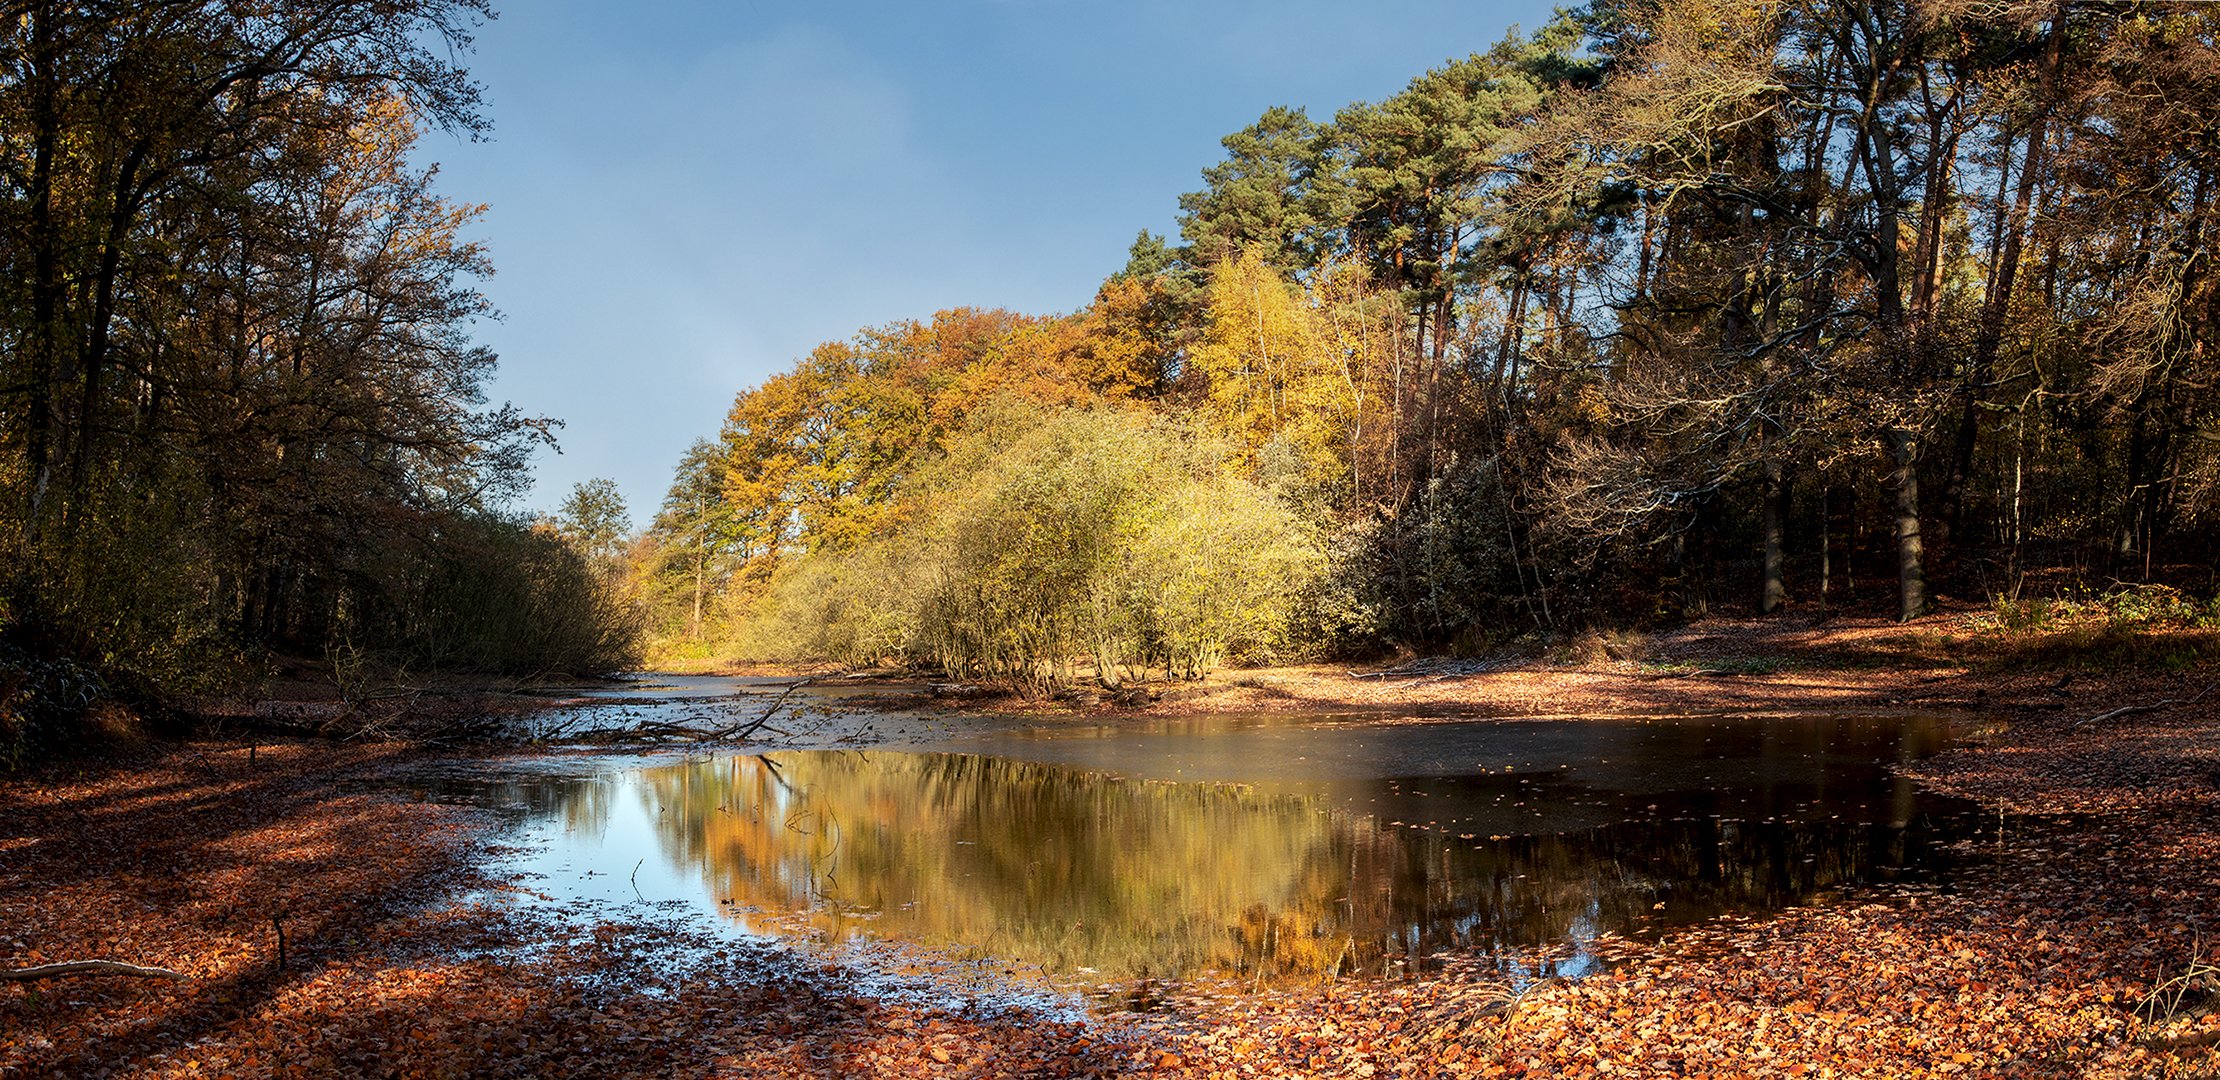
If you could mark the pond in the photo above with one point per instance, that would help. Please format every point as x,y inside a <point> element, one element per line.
<point>1251,847</point>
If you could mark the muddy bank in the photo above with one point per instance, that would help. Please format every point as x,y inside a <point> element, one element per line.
<point>1778,665</point>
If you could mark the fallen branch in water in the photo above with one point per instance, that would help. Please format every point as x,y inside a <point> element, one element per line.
<point>71,968</point>
<point>2130,710</point>
<point>749,729</point>
<point>664,729</point>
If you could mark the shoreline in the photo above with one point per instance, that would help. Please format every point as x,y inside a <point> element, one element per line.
<point>2035,963</point>
<point>1788,663</point>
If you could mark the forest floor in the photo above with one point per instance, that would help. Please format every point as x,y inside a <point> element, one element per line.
<point>2082,946</point>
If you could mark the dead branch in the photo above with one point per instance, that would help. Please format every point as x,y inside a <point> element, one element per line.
<point>2130,710</point>
<point>664,729</point>
<point>750,728</point>
<point>1436,668</point>
<point>72,968</point>
<point>1692,673</point>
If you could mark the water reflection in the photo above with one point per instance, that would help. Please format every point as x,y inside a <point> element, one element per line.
<point>1146,855</point>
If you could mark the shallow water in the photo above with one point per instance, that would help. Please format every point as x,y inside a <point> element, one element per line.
<point>1256,847</point>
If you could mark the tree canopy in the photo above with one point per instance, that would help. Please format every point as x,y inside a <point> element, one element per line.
<point>1659,309</point>
<point>241,406</point>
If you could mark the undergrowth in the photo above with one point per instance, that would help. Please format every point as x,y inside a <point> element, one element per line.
<point>1736,665</point>
<point>2144,626</point>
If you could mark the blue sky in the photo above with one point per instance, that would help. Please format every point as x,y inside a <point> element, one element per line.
<point>685,196</point>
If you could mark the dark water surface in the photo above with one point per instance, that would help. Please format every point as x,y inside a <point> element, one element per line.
<point>1252,846</point>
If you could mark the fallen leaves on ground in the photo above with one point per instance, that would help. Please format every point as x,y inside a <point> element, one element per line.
<point>401,959</point>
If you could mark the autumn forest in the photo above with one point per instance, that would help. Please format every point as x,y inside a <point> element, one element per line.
<point>1649,313</point>
<point>1654,312</point>
<point>1679,542</point>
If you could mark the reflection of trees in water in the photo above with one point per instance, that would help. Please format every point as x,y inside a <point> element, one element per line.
<point>1049,865</point>
<point>1421,893</point>
<point>582,804</point>
<point>1031,862</point>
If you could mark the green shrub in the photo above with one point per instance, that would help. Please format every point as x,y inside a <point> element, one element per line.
<point>40,701</point>
<point>1443,571</point>
<point>493,595</point>
<point>2124,608</point>
<point>1048,540</point>
<point>2146,625</point>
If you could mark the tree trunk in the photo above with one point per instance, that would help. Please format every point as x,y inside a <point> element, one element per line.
<point>1507,350</point>
<point>45,273</point>
<point>1911,576</point>
<point>121,216</point>
<point>2131,506</point>
<point>701,574</point>
<point>1826,551</point>
<point>2019,493</point>
<point>1994,308</point>
<point>1774,591</point>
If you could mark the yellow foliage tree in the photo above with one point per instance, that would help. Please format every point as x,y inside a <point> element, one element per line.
<point>1307,371</point>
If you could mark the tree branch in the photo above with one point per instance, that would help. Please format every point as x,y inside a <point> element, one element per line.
<point>70,968</point>
<point>2130,710</point>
